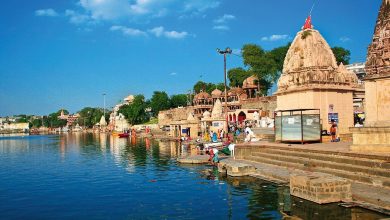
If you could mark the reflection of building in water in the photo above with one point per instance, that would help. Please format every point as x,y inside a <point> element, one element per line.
<point>117,145</point>
<point>165,148</point>
<point>174,149</point>
<point>103,142</point>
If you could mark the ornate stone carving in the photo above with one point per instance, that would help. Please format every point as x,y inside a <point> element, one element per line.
<point>378,58</point>
<point>310,62</point>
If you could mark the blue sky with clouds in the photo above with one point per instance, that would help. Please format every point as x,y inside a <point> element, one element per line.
<point>66,53</point>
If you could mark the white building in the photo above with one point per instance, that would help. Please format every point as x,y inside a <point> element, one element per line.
<point>358,69</point>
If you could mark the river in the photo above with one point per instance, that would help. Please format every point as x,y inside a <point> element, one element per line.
<point>97,176</point>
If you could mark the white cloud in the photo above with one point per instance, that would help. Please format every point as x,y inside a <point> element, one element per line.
<point>129,31</point>
<point>224,18</point>
<point>76,18</point>
<point>173,74</point>
<point>106,9</point>
<point>276,37</point>
<point>200,5</point>
<point>175,34</point>
<point>46,12</point>
<point>221,27</point>
<point>345,39</point>
<point>145,9</point>
<point>160,31</point>
<point>157,31</point>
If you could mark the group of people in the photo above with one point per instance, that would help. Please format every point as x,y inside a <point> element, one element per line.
<point>214,136</point>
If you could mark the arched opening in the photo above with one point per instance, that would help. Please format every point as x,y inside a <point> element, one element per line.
<point>241,117</point>
<point>234,117</point>
<point>230,117</point>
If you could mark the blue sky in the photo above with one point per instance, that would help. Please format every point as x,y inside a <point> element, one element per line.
<point>66,53</point>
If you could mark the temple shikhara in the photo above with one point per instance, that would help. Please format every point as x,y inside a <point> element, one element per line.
<point>375,136</point>
<point>312,79</point>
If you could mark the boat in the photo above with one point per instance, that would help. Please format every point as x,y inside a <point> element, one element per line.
<point>123,135</point>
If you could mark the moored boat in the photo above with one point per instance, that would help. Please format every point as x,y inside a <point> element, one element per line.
<point>123,135</point>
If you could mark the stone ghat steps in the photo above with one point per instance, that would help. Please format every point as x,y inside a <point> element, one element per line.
<point>317,166</point>
<point>309,162</point>
<point>385,158</point>
<point>357,161</point>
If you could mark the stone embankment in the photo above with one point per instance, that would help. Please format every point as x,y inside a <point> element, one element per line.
<point>320,173</point>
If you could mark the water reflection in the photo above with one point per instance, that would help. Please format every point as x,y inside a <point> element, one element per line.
<point>112,177</point>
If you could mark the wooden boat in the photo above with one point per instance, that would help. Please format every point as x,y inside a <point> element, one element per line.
<point>123,135</point>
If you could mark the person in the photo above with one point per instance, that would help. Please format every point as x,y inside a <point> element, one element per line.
<point>215,137</point>
<point>215,159</point>
<point>222,134</point>
<point>207,137</point>
<point>333,130</point>
<point>210,152</point>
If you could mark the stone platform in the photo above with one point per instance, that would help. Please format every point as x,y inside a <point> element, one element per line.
<point>235,169</point>
<point>320,188</point>
<point>371,139</point>
<point>196,159</point>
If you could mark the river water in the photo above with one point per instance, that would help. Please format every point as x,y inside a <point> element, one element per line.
<point>97,176</point>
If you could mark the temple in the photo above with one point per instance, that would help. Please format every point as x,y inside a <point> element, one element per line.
<point>208,110</point>
<point>311,79</point>
<point>375,135</point>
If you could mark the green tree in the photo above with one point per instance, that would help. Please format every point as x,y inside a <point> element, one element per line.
<point>90,116</point>
<point>342,55</point>
<point>200,86</point>
<point>266,65</point>
<point>278,55</point>
<point>237,76</point>
<point>159,101</point>
<point>36,123</point>
<point>54,121</point>
<point>178,100</point>
<point>135,112</point>
<point>208,87</point>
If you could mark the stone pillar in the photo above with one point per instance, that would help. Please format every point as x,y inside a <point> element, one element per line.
<point>375,135</point>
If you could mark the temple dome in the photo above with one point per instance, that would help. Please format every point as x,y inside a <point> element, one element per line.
<point>235,91</point>
<point>102,121</point>
<point>310,63</point>
<point>348,76</point>
<point>309,49</point>
<point>250,82</point>
<point>216,93</point>
<point>206,114</point>
<point>202,95</point>
<point>217,109</point>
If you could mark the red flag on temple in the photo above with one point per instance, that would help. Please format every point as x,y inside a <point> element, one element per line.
<point>308,24</point>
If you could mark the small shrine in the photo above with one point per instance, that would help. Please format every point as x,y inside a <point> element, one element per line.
<point>311,79</point>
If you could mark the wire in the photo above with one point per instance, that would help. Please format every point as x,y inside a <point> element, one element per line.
<point>312,7</point>
<point>239,55</point>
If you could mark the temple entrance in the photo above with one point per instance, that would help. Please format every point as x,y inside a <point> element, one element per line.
<point>241,117</point>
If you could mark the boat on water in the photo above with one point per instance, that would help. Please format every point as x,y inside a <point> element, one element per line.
<point>123,135</point>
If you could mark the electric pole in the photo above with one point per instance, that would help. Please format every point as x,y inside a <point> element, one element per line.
<point>224,52</point>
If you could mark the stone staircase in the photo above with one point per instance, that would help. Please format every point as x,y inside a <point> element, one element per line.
<point>368,169</point>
